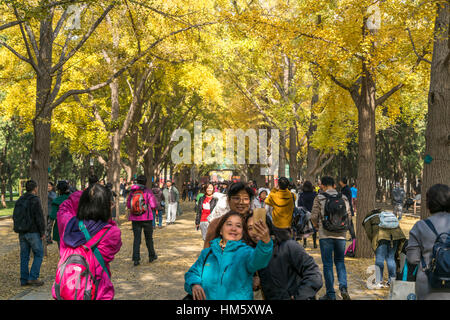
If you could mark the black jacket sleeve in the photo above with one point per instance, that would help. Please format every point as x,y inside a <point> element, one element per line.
<point>38,215</point>
<point>308,271</point>
<point>199,210</point>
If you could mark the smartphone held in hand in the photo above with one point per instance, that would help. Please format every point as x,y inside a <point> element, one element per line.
<point>259,214</point>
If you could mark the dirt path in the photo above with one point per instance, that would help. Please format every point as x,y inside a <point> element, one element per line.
<point>177,247</point>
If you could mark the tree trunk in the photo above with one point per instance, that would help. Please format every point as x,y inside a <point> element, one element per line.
<point>311,153</point>
<point>40,159</point>
<point>113,170</point>
<point>3,193</point>
<point>437,135</point>
<point>282,163</point>
<point>366,180</point>
<point>11,198</point>
<point>149,168</point>
<point>293,151</point>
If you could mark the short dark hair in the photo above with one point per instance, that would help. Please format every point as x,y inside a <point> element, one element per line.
<point>30,185</point>
<point>283,183</point>
<point>62,187</point>
<point>245,236</point>
<point>95,204</point>
<point>236,187</point>
<point>438,198</point>
<point>141,180</point>
<point>344,180</point>
<point>93,179</point>
<point>307,186</point>
<point>327,181</point>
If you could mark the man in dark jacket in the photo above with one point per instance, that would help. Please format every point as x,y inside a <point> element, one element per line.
<point>158,211</point>
<point>292,274</point>
<point>31,239</point>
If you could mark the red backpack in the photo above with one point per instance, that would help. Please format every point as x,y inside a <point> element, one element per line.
<point>138,205</point>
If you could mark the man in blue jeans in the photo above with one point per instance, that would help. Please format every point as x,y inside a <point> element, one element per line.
<point>332,243</point>
<point>31,239</point>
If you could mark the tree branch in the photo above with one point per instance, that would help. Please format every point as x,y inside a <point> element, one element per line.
<point>419,57</point>
<point>10,24</point>
<point>386,96</point>
<point>18,55</point>
<point>69,93</point>
<point>84,39</point>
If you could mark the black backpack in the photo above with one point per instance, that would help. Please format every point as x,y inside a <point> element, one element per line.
<point>22,218</point>
<point>438,272</point>
<point>335,214</point>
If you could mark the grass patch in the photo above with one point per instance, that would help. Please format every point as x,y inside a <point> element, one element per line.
<point>8,211</point>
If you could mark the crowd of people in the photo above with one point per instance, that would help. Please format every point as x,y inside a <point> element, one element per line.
<point>245,255</point>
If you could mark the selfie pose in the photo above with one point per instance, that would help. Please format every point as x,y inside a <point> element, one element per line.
<point>225,270</point>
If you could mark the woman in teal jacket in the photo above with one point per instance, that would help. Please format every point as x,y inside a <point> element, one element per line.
<point>225,270</point>
<point>64,193</point>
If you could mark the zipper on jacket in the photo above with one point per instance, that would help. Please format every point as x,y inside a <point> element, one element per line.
<point>221,279</point>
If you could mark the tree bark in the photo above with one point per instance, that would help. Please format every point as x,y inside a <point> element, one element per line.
<point>437,135</point>
<point>366,180</point>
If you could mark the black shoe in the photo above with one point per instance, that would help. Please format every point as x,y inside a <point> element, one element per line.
<point>136,263</point>
<point>315,245</point>
<point>152,259</point>
<point>326,297</point>
<point>344,294</point>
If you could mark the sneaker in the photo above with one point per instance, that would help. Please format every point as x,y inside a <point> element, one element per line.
<point>136,263</point>
<point>344,294</point>
<point>36,283</point>
<point>326,297</point>
<point>152,259</point>
<point>378,286</point>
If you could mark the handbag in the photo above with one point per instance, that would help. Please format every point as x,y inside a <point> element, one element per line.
<point>403,289</point>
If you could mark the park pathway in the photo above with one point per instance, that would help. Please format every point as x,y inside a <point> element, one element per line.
<point>177,246</point>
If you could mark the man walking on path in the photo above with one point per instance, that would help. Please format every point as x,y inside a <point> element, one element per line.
<point>398,197</point>
<point>330,216</point>
<point>141,203</point>
<point>29,223</point>
<point>171,196</point>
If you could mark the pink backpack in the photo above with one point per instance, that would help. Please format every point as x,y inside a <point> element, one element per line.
<point>76,277</point>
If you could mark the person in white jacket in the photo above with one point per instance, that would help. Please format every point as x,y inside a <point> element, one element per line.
<point>258,202</point>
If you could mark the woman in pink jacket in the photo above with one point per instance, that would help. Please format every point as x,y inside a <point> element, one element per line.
<point>142,220</point>
<point>89,210</point>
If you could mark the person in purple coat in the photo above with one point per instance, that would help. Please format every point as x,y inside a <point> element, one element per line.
<point>142,221</point>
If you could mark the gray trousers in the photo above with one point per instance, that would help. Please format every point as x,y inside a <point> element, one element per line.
<point>204,228</point>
